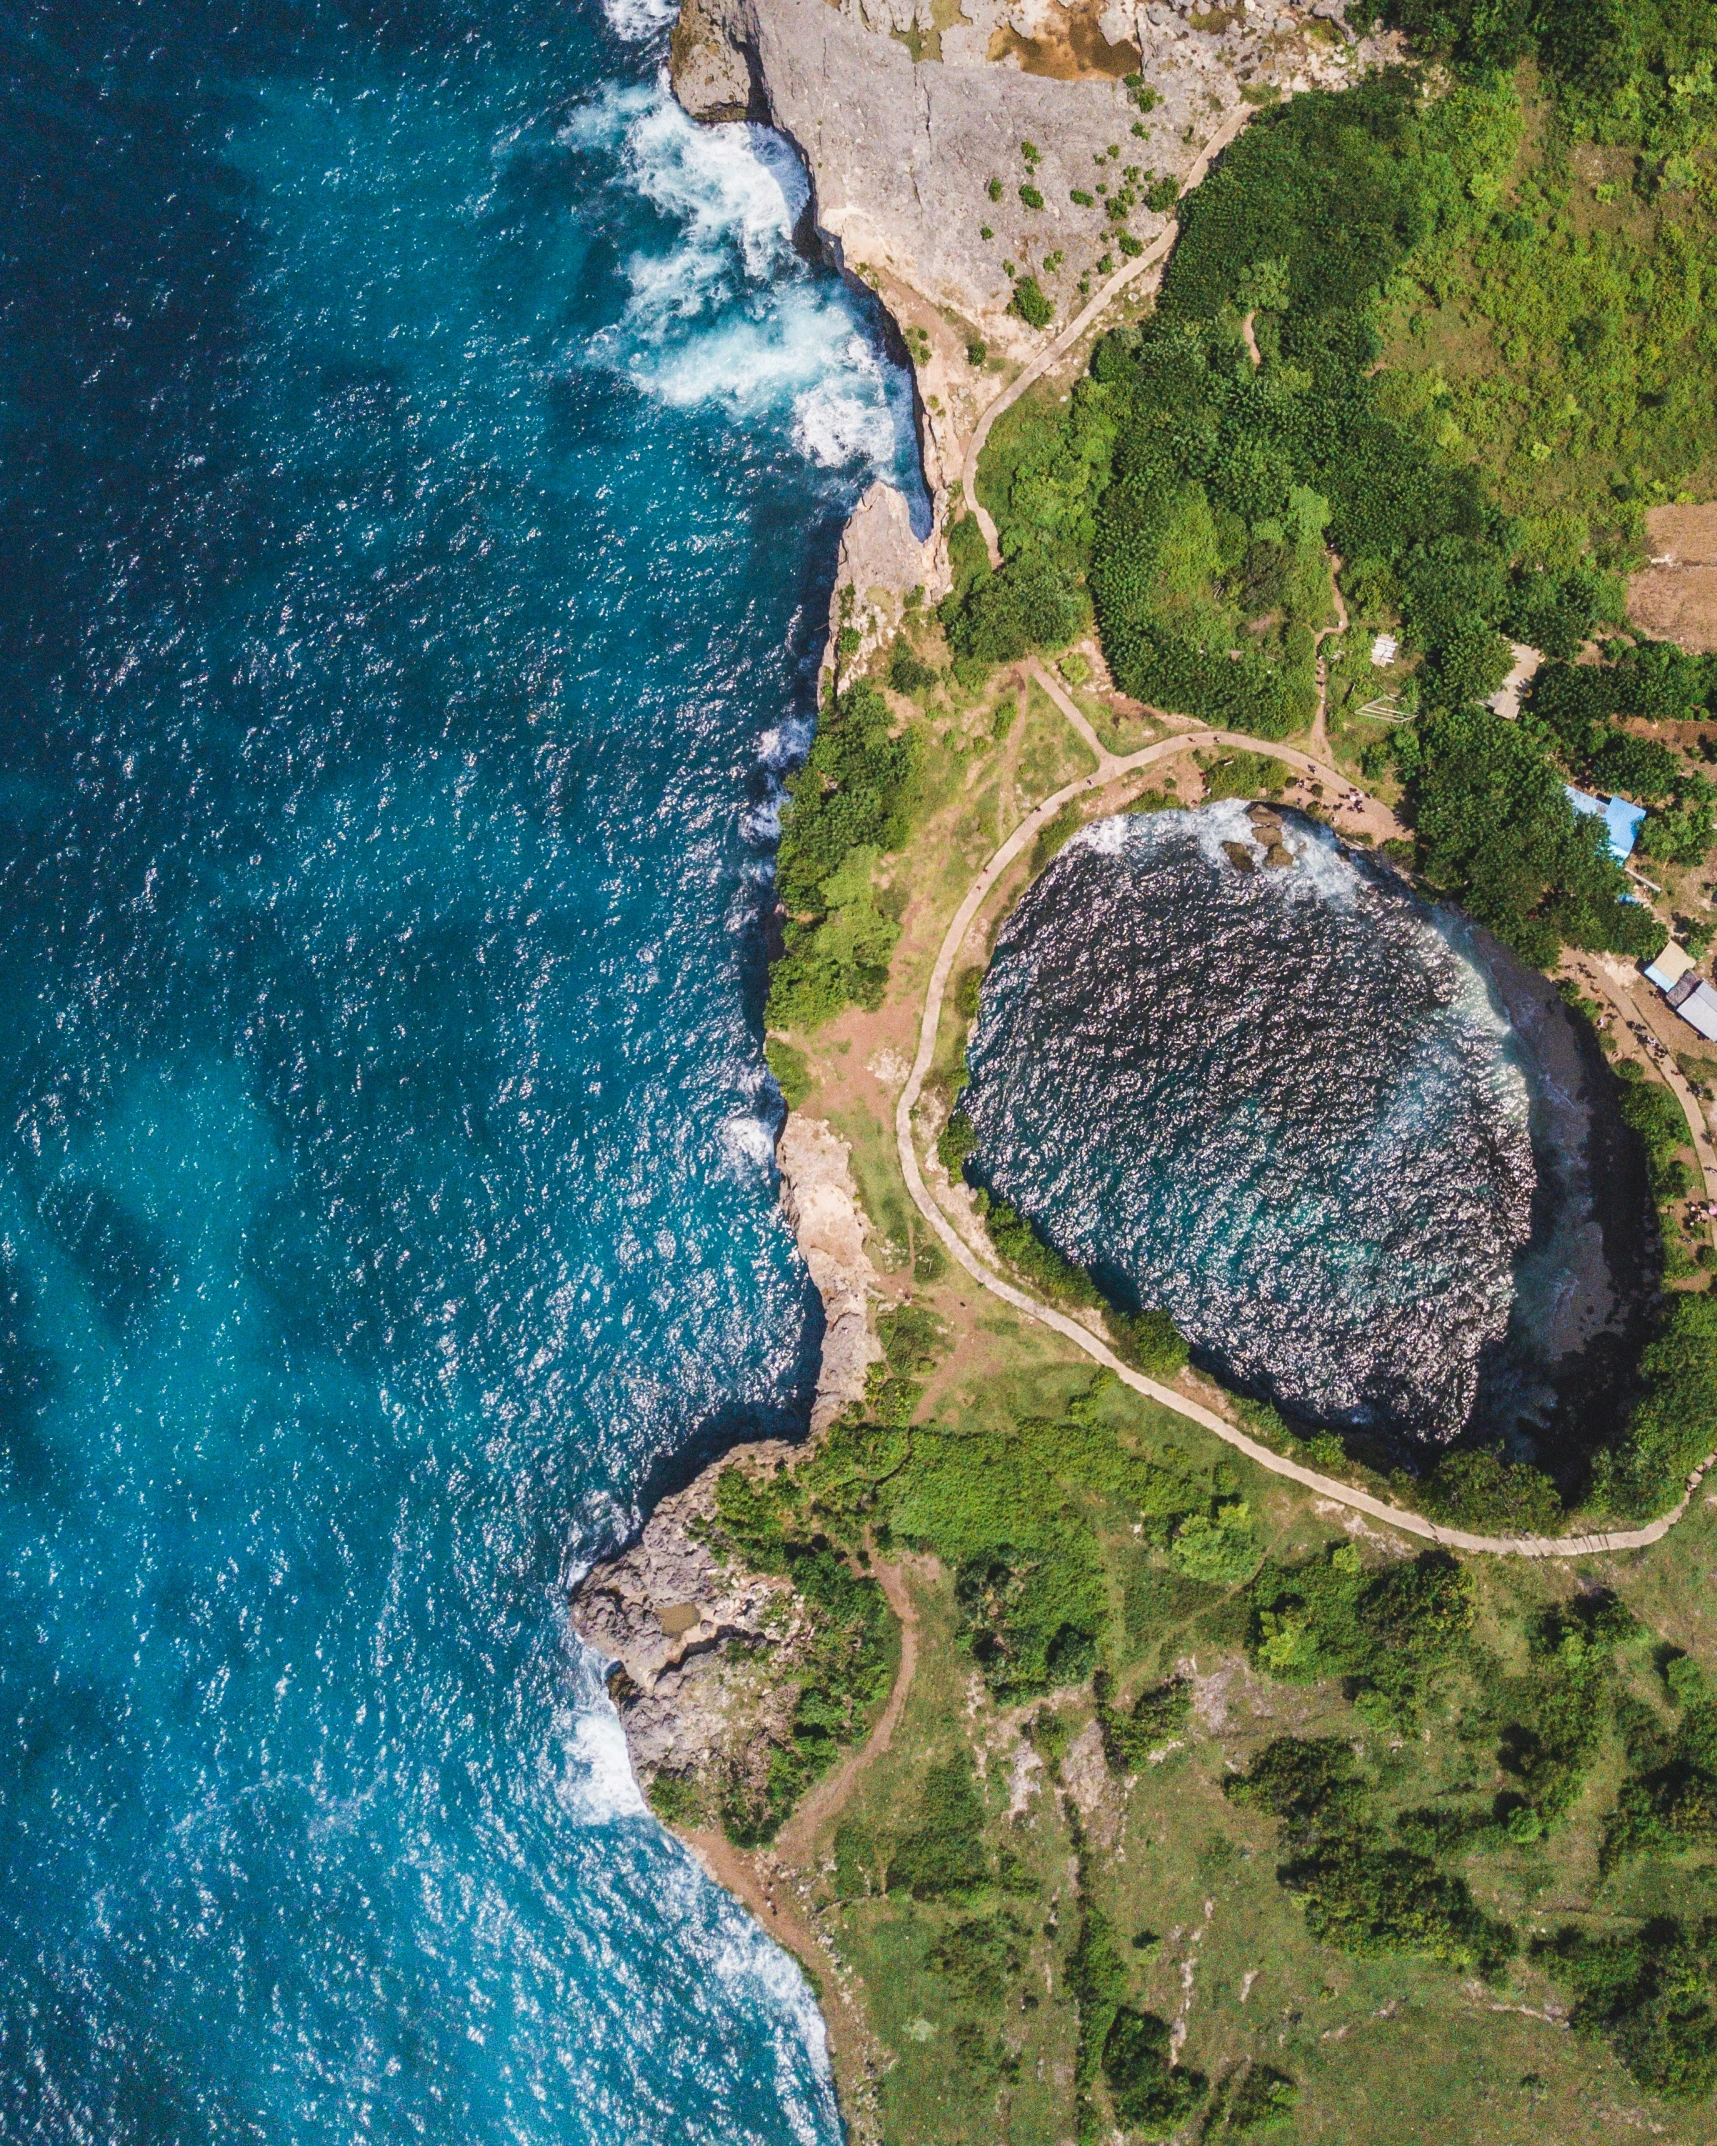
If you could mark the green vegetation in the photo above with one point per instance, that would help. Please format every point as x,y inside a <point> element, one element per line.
<point>1388,1633</point>
<point>1149,1340</point>
<point>1361,1894</point>
<point>854,799</point>
<point>850,1663</point>
<point>1156,1716</point>
<point>1197,493</point>
<point>1472,1488</point>
<point>1496,831</point>
<point>1028,301</point>
<point>1673,1423</point>
<point>1655,1115</point>
<point>1648,1994</point>
<point>791,1069</point>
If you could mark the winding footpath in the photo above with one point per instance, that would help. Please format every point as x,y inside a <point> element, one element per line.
<point>989,1277</point>
<point>1109,768</point>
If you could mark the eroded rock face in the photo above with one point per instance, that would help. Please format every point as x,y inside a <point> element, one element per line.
<point>820,1202</point>
<point>882,562</point>
<point>902,150</point>
<point>668,1614</point>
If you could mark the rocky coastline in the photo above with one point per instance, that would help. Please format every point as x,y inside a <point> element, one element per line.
<point>702,1650</point>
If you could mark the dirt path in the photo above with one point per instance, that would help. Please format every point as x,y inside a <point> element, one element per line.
<point>1320,722</point>
<point>990,1278</point>
<point>774,1882</point>
<point>1153,257</point>
<point>796,1842</point>
<point>759,1881</point>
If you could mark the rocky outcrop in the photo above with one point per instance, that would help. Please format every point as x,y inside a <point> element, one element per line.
<point>904,126</point>
<point>880,564</point>
<point>668,1612</point>
<point>821,1205</point>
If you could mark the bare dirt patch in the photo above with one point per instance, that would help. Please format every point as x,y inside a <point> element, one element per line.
<point>1675,597</point>
<point>1071,48</point>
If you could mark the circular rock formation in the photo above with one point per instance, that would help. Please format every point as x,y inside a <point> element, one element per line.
<point>1345,1139</point>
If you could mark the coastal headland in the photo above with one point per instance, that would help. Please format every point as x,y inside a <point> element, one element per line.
<point>1116,1758</point>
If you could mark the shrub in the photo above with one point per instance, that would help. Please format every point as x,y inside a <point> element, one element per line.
<point>1362,1895</point>
<point>957,1140</point>
<point>1157,1716</point>
<point>907,673</point>
<point>1648,1994</point>
<point>1033,200</point>
<point>1029,602</point>
<point>791,1069</point>
<point>1475,1490</point>
<point>1673,1422</point>
<point>1029,303</point>
<point>967,989</point>
<point>982,1956</point>
<point>1152,2095</point>
<point>1388,1633</point>
<point>942,1857</point>
<point>1037,1262</point>
<point>1148,1340</point>
<point>1055,834</point>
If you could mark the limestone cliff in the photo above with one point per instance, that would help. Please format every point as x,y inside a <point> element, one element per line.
<point>911,116</point>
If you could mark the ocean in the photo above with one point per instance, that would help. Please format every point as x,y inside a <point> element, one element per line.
<point>423,456</point>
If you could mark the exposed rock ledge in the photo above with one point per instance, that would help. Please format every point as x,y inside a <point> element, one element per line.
<point>882,562</point>
<point>902,151</point>
<point>704,1651</point>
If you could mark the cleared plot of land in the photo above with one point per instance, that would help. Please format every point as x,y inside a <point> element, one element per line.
<point>1675,597</point>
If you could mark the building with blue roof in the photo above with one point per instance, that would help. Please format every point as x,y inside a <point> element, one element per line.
<point>1621,820</point>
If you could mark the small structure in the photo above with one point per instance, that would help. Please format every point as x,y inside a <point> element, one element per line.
<point>1384,650</point>
<point>1699,1011</point>
<point>1621,820</point>
<point>1680,982</point>
<point>1670,967</point>
<point>1505,701</point>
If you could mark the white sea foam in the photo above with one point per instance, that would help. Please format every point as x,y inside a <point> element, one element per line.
<point>746,1144</point>
<point>729,314</point>
<point>595,1783</point>
<point>639,20</point>
<point>1109,838</point>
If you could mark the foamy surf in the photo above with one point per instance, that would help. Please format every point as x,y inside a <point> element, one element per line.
<point>729,314</point>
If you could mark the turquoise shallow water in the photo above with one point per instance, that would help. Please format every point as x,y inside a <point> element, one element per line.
<point>423,453</point>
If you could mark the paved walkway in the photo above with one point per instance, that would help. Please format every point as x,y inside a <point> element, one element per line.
<point>990,1278</point>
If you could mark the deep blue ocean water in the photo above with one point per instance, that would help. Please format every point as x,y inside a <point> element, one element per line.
<point>421,455</point>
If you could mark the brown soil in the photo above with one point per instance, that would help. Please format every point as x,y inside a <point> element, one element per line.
<point>772,1882</point>
<point>1073,49</point>
<point>1675,598</point>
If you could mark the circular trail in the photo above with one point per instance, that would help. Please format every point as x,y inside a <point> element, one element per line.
<point>987,1277</point>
